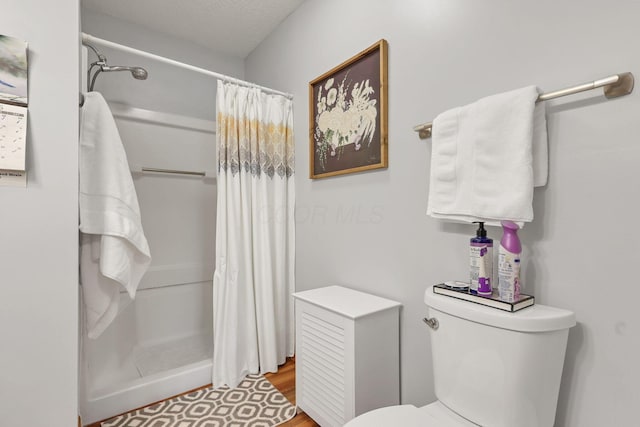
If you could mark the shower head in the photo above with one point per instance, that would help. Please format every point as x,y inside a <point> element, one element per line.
<point>138,73</point>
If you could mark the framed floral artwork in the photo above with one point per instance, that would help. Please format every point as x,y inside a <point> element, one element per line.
<point>348,115</point>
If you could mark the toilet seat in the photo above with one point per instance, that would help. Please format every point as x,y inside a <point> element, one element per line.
<point>432,415</point>
<point>402,415</point>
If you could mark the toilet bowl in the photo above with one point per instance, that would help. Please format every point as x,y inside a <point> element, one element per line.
<point>434,414</point>
<point>514,359</point>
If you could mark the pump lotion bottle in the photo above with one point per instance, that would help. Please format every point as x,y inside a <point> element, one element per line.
<point>481,262</point>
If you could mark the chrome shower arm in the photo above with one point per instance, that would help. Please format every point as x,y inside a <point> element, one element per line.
<point>101,58</point>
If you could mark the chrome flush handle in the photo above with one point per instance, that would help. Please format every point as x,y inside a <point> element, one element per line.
<point>432,323</point>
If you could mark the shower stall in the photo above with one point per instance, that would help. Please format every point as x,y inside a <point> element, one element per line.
<point>160,344</point>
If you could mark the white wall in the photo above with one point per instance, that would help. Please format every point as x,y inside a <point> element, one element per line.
<point>369,231</point>
<point>39,227</point>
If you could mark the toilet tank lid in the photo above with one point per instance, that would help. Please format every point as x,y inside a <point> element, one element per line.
<point>536,318</point>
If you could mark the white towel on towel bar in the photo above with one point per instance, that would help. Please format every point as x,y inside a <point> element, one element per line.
<point>487,157</point>
<point>114,254</point>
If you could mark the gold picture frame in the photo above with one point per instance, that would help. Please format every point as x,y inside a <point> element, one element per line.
<point>348,115</point>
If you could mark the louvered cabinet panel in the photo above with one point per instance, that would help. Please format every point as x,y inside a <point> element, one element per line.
<point>347,353</point>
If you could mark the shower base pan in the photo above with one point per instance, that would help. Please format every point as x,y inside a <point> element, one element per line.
<point>164,370</point>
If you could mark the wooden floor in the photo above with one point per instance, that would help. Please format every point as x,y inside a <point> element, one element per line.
<point>285,381</point>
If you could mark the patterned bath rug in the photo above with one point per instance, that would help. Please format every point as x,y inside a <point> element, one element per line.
<point>254,403</point>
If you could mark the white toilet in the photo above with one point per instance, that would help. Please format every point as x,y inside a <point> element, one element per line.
<point>491,368</point>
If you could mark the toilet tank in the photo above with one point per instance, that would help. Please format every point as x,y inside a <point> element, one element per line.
<point>497,368</point>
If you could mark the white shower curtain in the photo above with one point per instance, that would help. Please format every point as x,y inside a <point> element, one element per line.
<point>254,277</point>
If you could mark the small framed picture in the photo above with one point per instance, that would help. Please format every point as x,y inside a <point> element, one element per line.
<point>348,115</point>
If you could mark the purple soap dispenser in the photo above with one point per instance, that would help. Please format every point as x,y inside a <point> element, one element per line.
<point>481,262</point>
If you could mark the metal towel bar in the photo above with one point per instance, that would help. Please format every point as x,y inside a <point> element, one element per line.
<point>144,169</point>
<point>614,86</point>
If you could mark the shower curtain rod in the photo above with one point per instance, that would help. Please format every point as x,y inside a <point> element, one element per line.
<point>614,86</point>
<point>89,39</point>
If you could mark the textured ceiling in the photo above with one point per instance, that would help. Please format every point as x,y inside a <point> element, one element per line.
<point>234,27</point>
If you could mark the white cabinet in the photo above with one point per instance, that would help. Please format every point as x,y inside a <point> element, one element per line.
<point>347,353</point>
